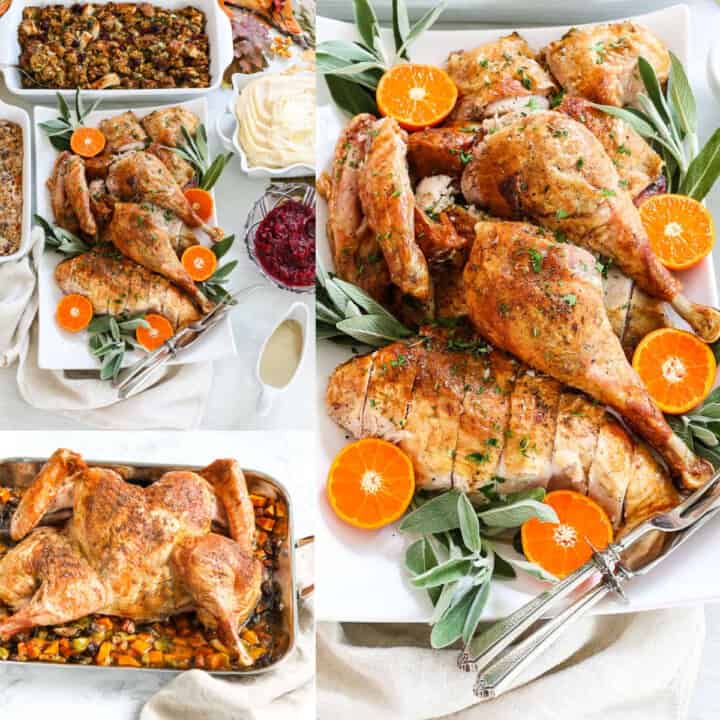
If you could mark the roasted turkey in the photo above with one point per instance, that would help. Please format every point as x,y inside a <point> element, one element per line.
<point>140,553</point>
<point>474,418</point>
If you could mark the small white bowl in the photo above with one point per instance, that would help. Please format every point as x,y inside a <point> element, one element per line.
<point>232,144</point>
<point>21,118</point>
<point>268,393</point>
<point>713,70</point>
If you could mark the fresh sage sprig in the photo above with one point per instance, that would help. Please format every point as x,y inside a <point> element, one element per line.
<point>353,70</point>
<point>668,119</point>
<point>110,338</point>
<point>213,288</point>
<point>458,554</point>
<point>61,240</point>
<point>60,130</point>
<point>345,313</point>
<point>700,429</point>
<point>195,151</point>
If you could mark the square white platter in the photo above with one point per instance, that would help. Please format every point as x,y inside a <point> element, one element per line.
<point>361,573</point>
<point>60,350</point>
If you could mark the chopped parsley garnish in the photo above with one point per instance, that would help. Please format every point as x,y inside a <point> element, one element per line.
<point>478,457</point>
<point>561,214</point>
<point>570,299</point>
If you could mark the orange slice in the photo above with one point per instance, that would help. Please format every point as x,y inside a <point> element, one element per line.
<point>201,202</point>
<point>159,331</point>
<point>417,96</point>
<point>371,483</point>
<point>87,142</point>
<point>560,548</point>
<point>680,230</point>
<point>200,262</point>
<point>678,369</point>
<point>74,313</point>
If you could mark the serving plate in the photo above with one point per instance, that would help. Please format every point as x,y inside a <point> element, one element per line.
<point>232,143</point>
<point>60,350</point>
<point>19,472</point>
<point>217,28</point>
<point>21,118</point>
<point>362,573</point>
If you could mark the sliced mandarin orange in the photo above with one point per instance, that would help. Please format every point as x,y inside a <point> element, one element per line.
<point>74,313</point>
<point>160,331</point>
<point>678,369</point>
<point>200,262</point>
<point>87,142</point>
<point>560,548</point>
<point>680,229</point>
<point>201,202</point>
<point>370,483</point>
<point>417,96</point>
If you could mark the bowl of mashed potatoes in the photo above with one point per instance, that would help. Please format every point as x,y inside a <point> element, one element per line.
<point>272,115</point>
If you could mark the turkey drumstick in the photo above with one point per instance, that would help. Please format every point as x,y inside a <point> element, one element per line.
<point>553,170</point>
<point>543,301</point>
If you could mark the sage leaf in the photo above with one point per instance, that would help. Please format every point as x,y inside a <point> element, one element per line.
<point>63,107</point>
<point>368,26</point>
<point>447,572</point>
<point>711,410</point>
<point>373,330</point>
<point>114,329</point>
<point>415,557</point>
<point>349,98</point>
<point>443,602</point>
<point>435,516</point>
<point>326,331</point>
<point>401,26</point>
<point>642,127</point>
<point>324,313</point>
<point>654,91</point>
<point>474,613</point>
<point>363,300</point>
<point>503,569</point>
<point>221,248</point>
<point>516,514</point>
<point>531,569</point>
<point>682,97</point>
<point>450,627</point>
<point>423,24</point>
<point>469,524</point>
<point>348,52</point>
<point>704,435</point>
<point>704,170</point>
<point>223,272</point>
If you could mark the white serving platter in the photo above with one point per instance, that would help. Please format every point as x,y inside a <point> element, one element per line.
<point>60,350</point>
<point>361,573</point>
<point>217,28</point>
<point>20,117</point>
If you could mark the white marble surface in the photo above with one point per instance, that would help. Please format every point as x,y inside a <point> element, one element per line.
<point>57,692</point>
<point>231,404</point>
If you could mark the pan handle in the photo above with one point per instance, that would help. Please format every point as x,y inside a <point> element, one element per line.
<point>305,591</point>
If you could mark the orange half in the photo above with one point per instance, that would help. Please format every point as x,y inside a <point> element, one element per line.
<point>370,483</point>
<point>680,230</point>
<point>417,96</point>
<point>561,548</point>
<point>678,369</point>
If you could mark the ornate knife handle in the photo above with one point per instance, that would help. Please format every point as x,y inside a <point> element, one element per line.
<point>484,648</point>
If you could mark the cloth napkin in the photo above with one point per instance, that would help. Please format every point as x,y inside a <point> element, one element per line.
<point>176,401</point>
<point>639,666</point>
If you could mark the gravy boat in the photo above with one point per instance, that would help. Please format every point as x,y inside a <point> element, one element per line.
<point>268,393</point>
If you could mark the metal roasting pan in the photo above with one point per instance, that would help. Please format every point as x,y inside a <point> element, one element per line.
<point>19,472</point>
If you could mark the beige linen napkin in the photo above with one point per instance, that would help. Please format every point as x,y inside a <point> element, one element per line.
<point>177,401</point>
<point>287,693</point>
<point>618,667</point>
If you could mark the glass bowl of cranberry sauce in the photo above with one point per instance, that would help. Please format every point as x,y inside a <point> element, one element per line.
<point>280,236</point>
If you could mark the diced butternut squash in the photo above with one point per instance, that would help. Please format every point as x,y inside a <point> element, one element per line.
<point>128,661</point>
<point>103,654</point>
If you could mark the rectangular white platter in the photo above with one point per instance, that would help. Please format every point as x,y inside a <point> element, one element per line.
<point>361,573</point>
<point>60,350</point>
<point>217,28</point>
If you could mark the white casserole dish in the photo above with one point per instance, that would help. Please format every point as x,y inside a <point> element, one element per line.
<point>21,118</point>
<point>232,143</point>
<point>217,27</point>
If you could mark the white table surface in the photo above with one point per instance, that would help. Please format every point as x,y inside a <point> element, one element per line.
<point>31,692</point>
<point>234,390</point>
